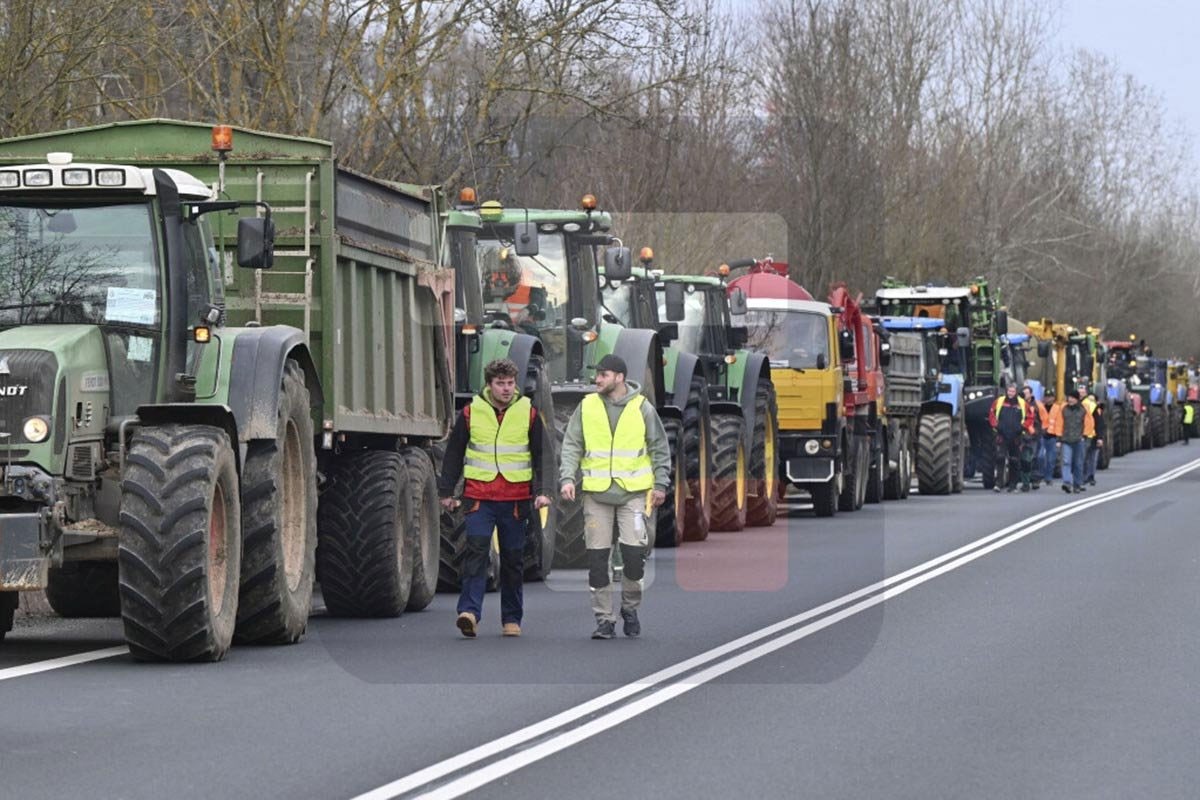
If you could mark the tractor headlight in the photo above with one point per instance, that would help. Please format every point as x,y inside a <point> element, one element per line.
<point>812,446</point>
<point>36,429</point>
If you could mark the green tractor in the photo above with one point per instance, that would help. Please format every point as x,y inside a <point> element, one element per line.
<point>175,382</point>
<point>540,276</point>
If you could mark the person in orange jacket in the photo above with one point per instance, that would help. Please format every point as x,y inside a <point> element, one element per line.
<point>1011,420</point>
<point>1074,425</point>
<point>1050,429</point>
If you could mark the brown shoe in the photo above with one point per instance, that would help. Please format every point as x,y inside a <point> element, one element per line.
<point>512,629</point>
<point>466,623</point>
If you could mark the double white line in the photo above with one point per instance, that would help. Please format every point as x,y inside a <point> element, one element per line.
<point>512,752</point>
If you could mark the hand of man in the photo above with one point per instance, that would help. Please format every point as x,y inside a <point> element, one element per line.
<point>658,497</point>
<point>568,491</point>
<point>541,501</point>
<point>1099,443</point>
<point>449,503</point>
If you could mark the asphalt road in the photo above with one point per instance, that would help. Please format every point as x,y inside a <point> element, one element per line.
<point>1038,645</point>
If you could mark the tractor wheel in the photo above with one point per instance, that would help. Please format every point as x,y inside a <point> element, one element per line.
<point>364,554</point>
<point>698,444</point>
<point>878,468</point>
<point>81,589</point>
<point>907,455</point>
<point>180,544</point>
<point>894,479</point>
<point>1116,431</point>
<point>1147,431</point>
<point>670,522</point>
<point>825,495</point>
<point>936,463</point>
<point>762,498</point>
<point>570,548</point>
<point>279,519</point>
<point>1158,426</point>
<point>543,523</point>
<point>854,490</point>
<point>423,527</point>
<point>982,444</point>
<point>729,473</point>
<point>8,609</point>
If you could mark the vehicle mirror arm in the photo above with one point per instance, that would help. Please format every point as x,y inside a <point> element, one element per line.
<point>209,206</point>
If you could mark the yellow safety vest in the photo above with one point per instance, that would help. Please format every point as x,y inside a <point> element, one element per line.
<point>620,456</point>
<point>499,447</point>
<point>1188,413</point>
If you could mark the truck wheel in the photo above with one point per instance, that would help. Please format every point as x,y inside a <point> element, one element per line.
<point>570,551</point>
<point>1116,431</point>
<point>854,490</point>
<point>8,609</point>
<point>876,470</point>
<point>697,445</point>
<point>279,520</point>
<point>729,473</point>
<point>80,589</point>
<point>825,496</point>
<point>364,555</point>
<point>180,544</point>
<point>543,523</point>
<point>985,456</point>
<point>670,521</point>
<point>893,481</point>
<point>423,527</point>
<point>1158,426</point>
<point>762,500</point>
<point>906,456</point>
<point>936,463</point>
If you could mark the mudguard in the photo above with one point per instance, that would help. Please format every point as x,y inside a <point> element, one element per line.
<point>756,369</point>
<point>950,392</point>
<point>643,355</point>
<point>686,365</point>
<point>255,375</point>
<point>724,407</point>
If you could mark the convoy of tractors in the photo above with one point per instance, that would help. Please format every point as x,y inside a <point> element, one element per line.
<point>226,373</point>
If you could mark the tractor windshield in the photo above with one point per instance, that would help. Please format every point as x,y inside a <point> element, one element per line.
<point>789,338</point>
<point>691,327</point>
<point>78,264</point>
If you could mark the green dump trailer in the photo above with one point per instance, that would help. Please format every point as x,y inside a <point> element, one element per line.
<point>205,412</point>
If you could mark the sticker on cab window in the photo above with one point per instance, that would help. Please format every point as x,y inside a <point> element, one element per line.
<point>140,348</point>
<point>137,306</point>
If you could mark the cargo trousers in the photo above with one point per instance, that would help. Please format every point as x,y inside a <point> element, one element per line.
<point>630,518</point>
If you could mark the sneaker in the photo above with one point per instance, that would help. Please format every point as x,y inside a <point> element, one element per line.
<point>1037,485</point>
<point>467,623</point>
<point>1067,488</point>
<point>1024,487</point>
<point>605,630</point>
<point>631,626</point>
<point>1077,490</point>
<point>996,489</point>
<point>1081,488</point>
<point>1091,481</point>
<point>511,629</point>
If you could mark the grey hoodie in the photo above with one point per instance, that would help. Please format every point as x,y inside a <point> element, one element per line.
<point>656,443</point>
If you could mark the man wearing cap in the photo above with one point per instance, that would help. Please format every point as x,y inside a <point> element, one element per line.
<point>496,445</point>
<point>1051,420</point>
<point>616,441</point>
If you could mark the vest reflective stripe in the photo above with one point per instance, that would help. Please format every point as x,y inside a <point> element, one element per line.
<point>619,456</point>
<point>499,448</point>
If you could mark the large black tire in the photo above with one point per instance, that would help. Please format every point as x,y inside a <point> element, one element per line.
<point>570,549</point>
<point>364,554</point>
<point>279,520</point>
<point>854,490</point>
<point>8,609</point>
<point>909,456</point>
<point>81,589</point>
<point>1147,430</point>
<point>180,544</point>
<point>762,501</point>
<point>670,520</point>
<point>1117,432</point>
<point>729,473</point>
<point>825,496</point>
<point>543,524</point>
<point>877,469</point>
<point>698,447</point>
<point>983,447</point>
<point>423,527</point>
<point>1158,426</point>
<point>936,463</point>
<point>896,484</point>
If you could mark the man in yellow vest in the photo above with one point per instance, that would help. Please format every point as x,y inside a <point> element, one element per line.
<point>496,446</point>
<point>616,441</point>
<point>1189,416</point>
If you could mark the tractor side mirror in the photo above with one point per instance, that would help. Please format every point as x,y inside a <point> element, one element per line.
<point>964,337</point>
<point>1043,349</point>
<point>885,354</point>
<point>737,302</point>
<point>822,363</point>
<point>256,242</point>
<point>525,238</point>
<point>1002,321</point>
<point>675,295</point>
<point>668,332</point>
<point>618,264</point>
<point>846,345</point>
<point>737,337</point>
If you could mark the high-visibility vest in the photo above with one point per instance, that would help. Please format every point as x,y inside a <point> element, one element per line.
<point>1089,404</point>
<point>499,447</point>
<point>1188,413</point>
<point>619,456</point>
<point>1020,404</point>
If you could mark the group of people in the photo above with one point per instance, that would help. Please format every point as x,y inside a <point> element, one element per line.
<point>1031,434</point>
<point>615,448</point>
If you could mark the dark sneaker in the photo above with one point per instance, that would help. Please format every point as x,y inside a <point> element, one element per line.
<point>466,623</point>
<point>630,626</point>
<point>1078,490</point>
<point>1067,488</point>
<point>1091,481</point>
<point>605,630</point>
<point>1024,487</point>
<point>1012,489</point>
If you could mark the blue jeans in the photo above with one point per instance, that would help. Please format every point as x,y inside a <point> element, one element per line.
<point>509,519</point>
<point>1072,468</point>
<point>1090,460</point>
<point>1048,457</point>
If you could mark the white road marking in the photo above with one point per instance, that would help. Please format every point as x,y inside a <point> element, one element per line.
<point>892,587</point>
<point>59,663</point>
